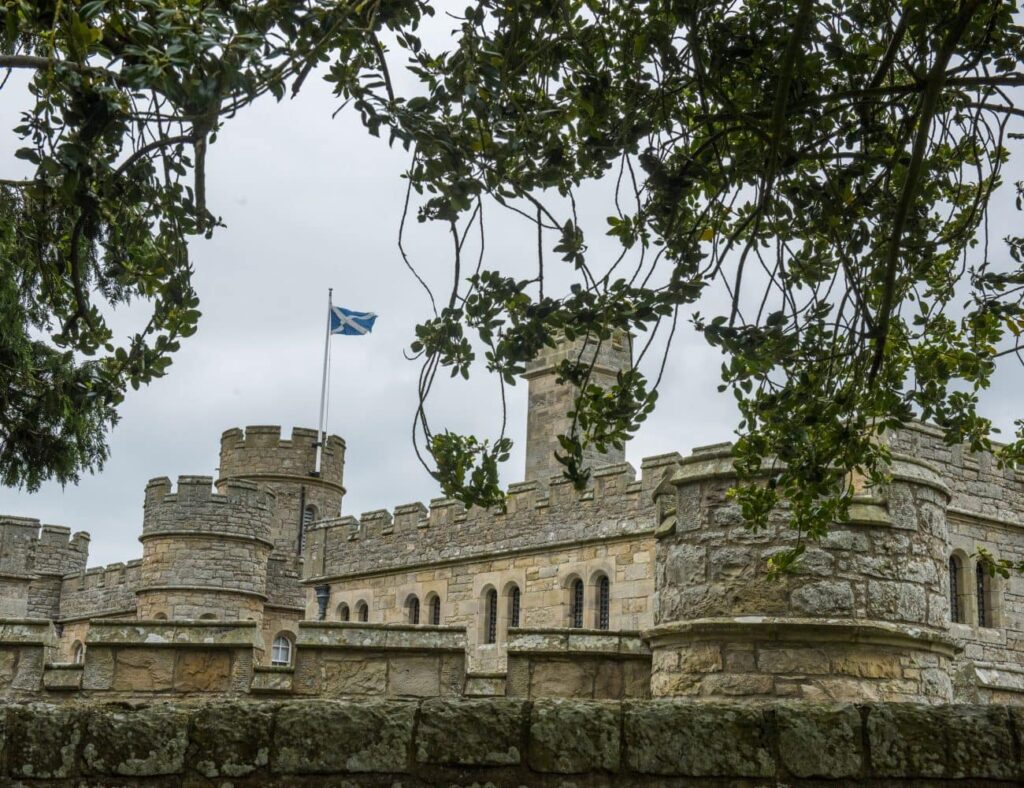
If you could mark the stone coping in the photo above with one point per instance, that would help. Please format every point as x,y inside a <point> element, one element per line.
<point>814,630</point>
<point>379,637</point>
<point>27,632</point>
<point>175,634</point>
<point>1006,678</point>
<point>594,642</point>
<point>717,463</point>
<point>505,742</point>
<point>208,534</point>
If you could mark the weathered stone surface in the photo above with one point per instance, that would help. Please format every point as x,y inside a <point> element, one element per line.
<point>323,737</point>
<point>820,741</point>
<point>353,675</point>
<point>574,737</point>
<point>979,744</point>
<point>826,598</point>
<point>906,741</point>
<point>562,678</point>
<point>793,659</point>
<point>413,677</point>
<point>470,732</point>
<point>143,670</point>
<point>230,739</point>
<point>202,671</point>
<point>42,740</point>
<point>678,738</point>
<point>143,742</point>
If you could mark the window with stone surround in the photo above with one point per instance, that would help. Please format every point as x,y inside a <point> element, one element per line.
<point>956,570</point>
<point>603,602</point>
<point>78,652</point>
<point>576,604</point>
<point>281,652</point>
<point>985,597</point>
<point>434,606</point>
<point>514,604</point>
<point>343,612</point>
<point>491,616</point>
<point>362,611</point>
<point>412,606</point>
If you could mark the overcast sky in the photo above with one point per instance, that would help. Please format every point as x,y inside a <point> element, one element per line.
<point>312,203</point>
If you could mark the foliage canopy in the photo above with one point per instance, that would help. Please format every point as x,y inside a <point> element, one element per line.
<point>827,165</point>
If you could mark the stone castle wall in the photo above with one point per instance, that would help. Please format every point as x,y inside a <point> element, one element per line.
<point>502,742</point>
<point>33,558</point>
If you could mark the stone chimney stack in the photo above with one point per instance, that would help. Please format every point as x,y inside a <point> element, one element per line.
<point>551,402</point>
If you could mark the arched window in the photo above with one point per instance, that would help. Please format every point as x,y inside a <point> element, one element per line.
<point>343,612</point>
<point>576,604</point>
<point>281,653</point>
<point>414,609</point>
<point>955,568</point>
<point>363,612</point>
<point>491,617</point>
<point>603,602</point>
<point>984,610</point>
<point>78,654</point>
<point>435,611</point>
<point>513,606</point>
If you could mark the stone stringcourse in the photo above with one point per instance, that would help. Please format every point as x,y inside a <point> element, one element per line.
<point>503,742</point>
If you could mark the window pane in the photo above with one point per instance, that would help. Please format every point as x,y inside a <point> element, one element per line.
<point>603,603</point>
<point>577,604</point>
<point>492,616</point>
<point>364,612</point>
<point>982,588</point>
<point>414,610</point>
<point>513,607</point>
<point>954,589</point>
<point>435,611</point>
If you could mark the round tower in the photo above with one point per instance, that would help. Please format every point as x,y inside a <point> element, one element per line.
<point>551,402</point>
<point>864,616</point>
<point>288,467</point>
<point>204,554</point>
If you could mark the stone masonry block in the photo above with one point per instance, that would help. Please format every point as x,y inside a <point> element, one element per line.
<point>230,739</point>
<point>978,742</point>
<point>141,742</point>
<point>690,740</point>
<point>42,740</point>
<point>574,737</point>
<point>329,737</point>
<point>470,732</point>
<point>906,740</point>
<point>820,741</point>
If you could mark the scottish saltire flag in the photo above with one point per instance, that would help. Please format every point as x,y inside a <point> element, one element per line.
<point>345,321</point>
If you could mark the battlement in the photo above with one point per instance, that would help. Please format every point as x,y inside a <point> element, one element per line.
<point>29,547</point>
<point>262,451</point>
<point>536,515</point>
<point>100,590</point>
<point>240,508</point>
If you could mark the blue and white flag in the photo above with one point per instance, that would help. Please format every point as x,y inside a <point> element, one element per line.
<point>345,321</point>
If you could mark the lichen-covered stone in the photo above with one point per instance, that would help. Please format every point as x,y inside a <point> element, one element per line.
<point>324,737</point>
<point>693,740</point>
<point>141,742</point>
<point>230,739</point>
<point>574,737</point>
<point>470,732</point>
<point>820,741</point>
<point>42,740</point>
<point>978,742</point>
<point>906,741</point>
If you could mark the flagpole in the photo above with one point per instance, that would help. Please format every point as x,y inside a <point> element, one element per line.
<point>320,437</point>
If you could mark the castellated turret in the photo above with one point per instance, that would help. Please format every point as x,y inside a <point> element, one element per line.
<point>33,558</point>
<point>204,554</point>
<point>551,402</point>
<point>287,466</point>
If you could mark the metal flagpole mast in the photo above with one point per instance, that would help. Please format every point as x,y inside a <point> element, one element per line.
<point>323,385</point>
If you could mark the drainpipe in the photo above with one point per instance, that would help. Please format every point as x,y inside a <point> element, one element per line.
<point>323,593</point>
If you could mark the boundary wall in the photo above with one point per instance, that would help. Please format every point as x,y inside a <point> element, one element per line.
<point>502,743</point>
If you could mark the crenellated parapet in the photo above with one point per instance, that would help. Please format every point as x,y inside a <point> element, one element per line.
<point>100,590</point>
<point>287,465</point>
<point>536,516</point>
<point>33,558</point>
<point>205,553</point>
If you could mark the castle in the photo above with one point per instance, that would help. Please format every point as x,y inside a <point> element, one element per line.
<point>645,585</point>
